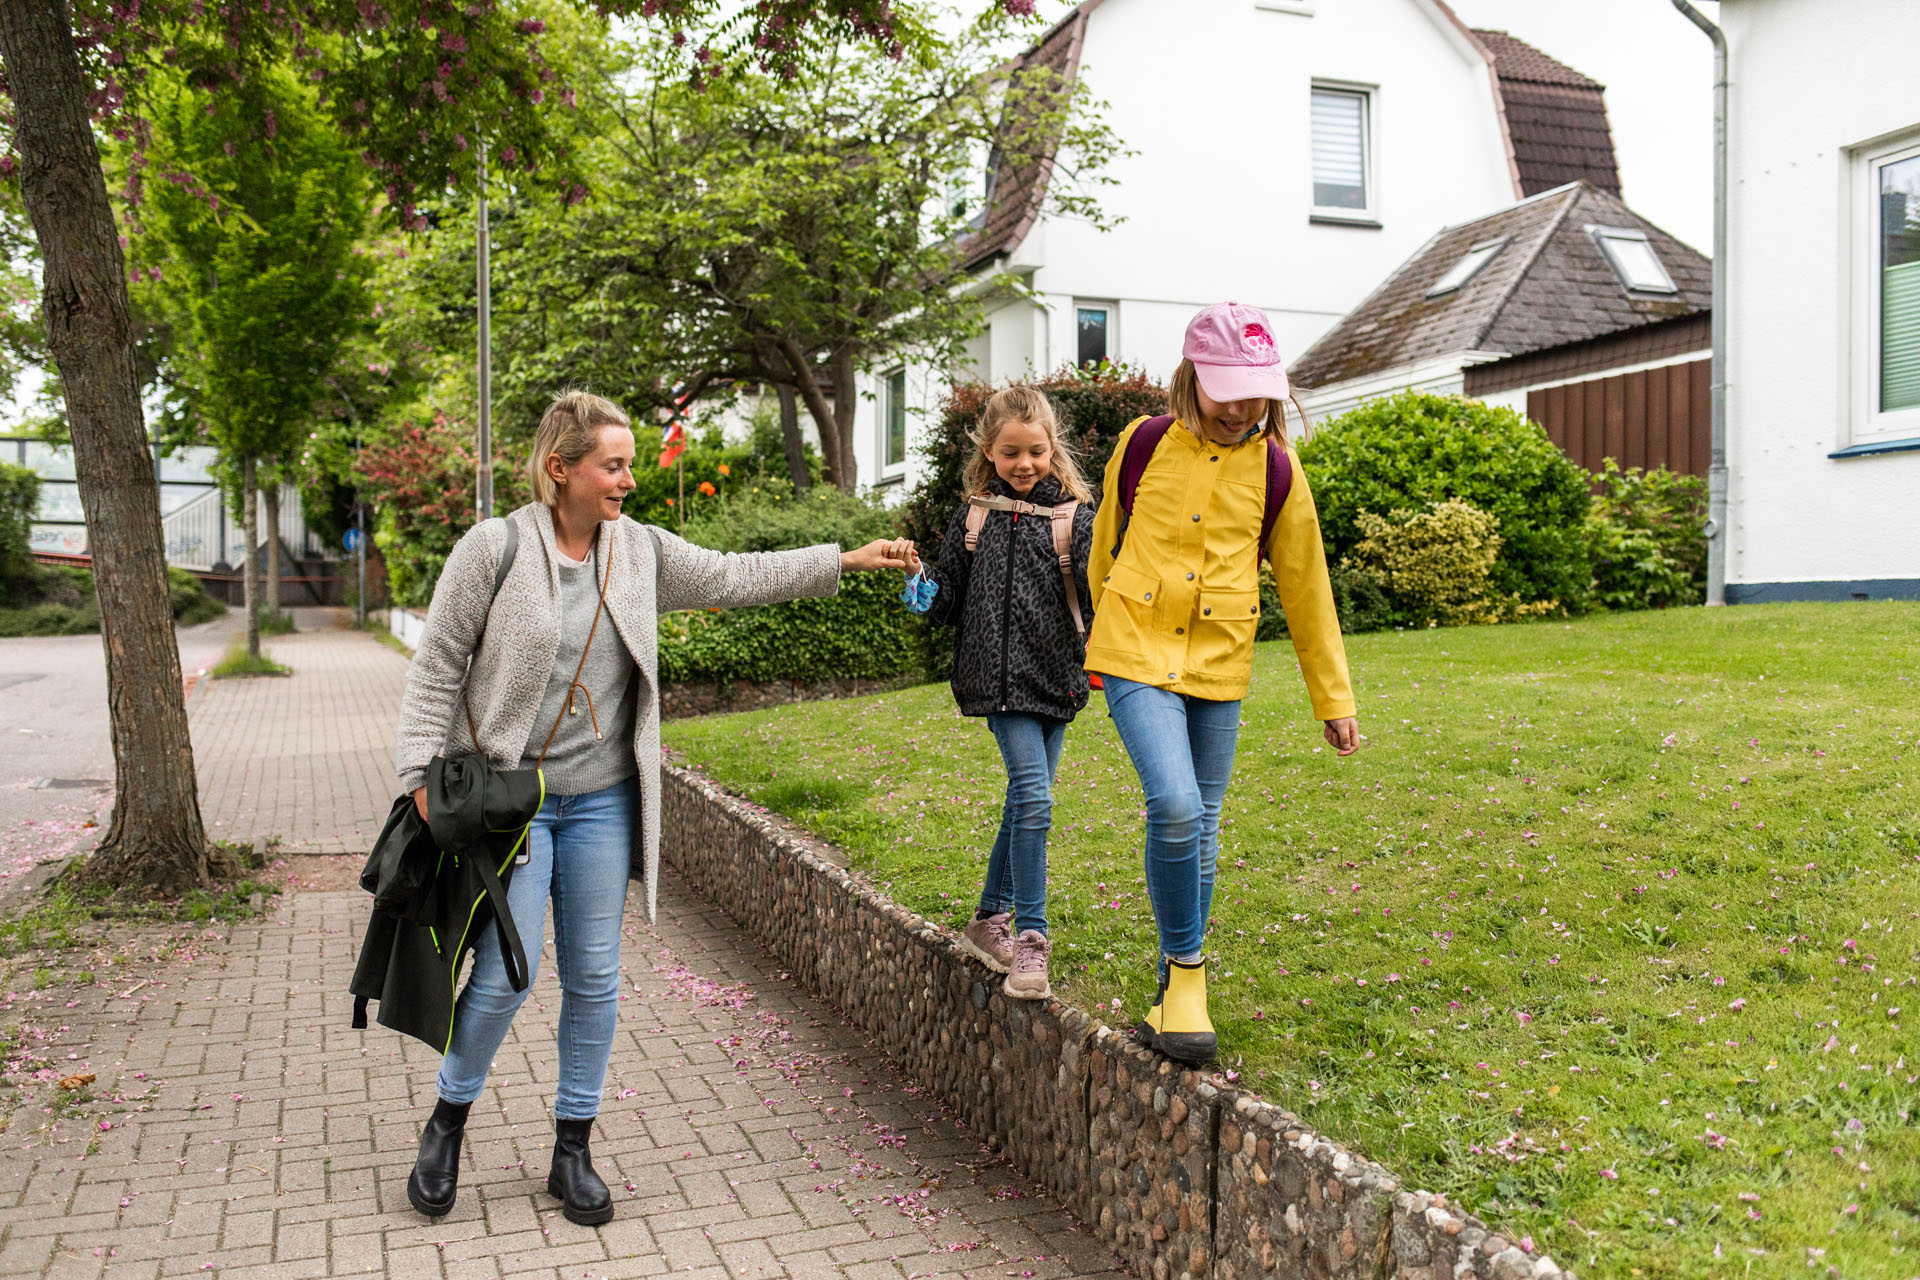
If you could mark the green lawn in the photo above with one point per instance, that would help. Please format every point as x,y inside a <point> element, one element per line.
<point>1606,931</point>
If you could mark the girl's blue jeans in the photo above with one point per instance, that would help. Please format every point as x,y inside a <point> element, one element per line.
<point>1017,867</point>
<point>1182,748</point>
<point>579,849</point>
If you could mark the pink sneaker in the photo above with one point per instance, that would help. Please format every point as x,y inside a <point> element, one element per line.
<point>1028,979</point>
<point>990,941</point>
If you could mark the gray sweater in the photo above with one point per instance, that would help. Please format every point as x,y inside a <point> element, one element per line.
<point>506,678</point>
<point>592,732</point>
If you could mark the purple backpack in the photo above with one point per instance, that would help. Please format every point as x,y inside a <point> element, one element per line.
<point>1146,438</point>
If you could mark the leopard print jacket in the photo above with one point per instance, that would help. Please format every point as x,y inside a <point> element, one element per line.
<point>1016,649</point>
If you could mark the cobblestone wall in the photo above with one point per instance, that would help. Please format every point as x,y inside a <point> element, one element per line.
<point>1188,1180</point>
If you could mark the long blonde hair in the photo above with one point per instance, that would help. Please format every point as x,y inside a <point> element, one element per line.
<point>1031,406</point>
<point>569,430</point>
<point>1183,400</point>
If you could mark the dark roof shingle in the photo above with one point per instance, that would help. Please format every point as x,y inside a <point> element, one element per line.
<point>1549,284</point>
<point>1556,117</point>
<point>1020,191</point>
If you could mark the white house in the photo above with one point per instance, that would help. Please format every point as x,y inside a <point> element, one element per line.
<point>1288,153</point>
<point>1823,354</point>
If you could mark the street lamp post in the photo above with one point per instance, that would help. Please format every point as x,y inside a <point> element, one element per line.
<point>483,481</point>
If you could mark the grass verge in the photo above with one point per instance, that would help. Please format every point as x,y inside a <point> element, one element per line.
<point>1608,930</point>
<point>239,662</point>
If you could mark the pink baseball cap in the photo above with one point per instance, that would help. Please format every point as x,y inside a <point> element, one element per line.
<point>1232,350</point>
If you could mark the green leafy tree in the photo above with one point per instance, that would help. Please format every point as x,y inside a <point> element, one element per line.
<point>255,219</point>
<point>782,232</point>
<point>408,81</point>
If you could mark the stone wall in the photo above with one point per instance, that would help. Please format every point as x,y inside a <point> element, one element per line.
<point>1188,1179</point>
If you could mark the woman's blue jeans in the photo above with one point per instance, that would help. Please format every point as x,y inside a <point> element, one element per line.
<point>579,849</point>
<point>1017,867</point>
<point>1182,748</point>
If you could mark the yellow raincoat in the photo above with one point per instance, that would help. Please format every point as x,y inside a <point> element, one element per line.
<point>1179,607</point>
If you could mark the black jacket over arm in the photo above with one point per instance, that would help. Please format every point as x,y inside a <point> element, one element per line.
<point>1016,648</point>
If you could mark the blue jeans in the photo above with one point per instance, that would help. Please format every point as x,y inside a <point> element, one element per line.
<point>1017,867</point>
<point>579,849</point>
<point>1182,748</point>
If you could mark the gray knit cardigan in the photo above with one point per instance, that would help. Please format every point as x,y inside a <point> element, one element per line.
<point>506,676</point>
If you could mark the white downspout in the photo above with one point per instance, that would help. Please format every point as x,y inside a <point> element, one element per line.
<point>1717,468</point>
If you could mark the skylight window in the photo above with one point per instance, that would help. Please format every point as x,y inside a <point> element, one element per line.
<point>1468,267</point>
<point>1632,259</point>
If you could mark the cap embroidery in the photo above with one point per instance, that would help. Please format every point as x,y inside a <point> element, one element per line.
<point>1257,337</point>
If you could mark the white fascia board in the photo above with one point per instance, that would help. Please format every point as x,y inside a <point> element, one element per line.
<point>1398,378</point>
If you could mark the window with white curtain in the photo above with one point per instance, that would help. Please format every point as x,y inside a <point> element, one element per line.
<point>1342,152</point>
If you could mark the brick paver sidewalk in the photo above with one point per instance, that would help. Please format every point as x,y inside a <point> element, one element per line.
<point>306,758</point>
<point>747,1132</point>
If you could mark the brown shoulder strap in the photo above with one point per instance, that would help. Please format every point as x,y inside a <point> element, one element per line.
<point>576,687</point>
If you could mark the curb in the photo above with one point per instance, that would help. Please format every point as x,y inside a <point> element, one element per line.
<point>1187,1179</point>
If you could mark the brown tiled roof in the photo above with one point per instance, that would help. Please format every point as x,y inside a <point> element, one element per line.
<point>1556,117</point>
<point>1019,192</point>
<point>1549,284</point>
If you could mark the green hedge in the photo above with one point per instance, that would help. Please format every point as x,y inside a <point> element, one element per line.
<point>19,500</point>
<point>1412,450</point>
<point>60,602</point>
<point>863,633</point>
<point>1647,533</point>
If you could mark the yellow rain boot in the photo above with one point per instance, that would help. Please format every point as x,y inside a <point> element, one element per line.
<point>1185,1033</point>
<point>1150,1025</point>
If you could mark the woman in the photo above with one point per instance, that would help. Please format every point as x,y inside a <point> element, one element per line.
<point>558,670</point>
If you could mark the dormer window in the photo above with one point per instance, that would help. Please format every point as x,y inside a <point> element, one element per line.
<point>1632,258</point>
<point>1468,267</point>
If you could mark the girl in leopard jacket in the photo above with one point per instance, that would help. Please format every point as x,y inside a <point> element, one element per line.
<point>1012,578</point>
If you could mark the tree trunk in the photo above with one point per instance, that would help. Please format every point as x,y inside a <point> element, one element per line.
<point>845,403</point>
<point>817,406</point>
<point>250,526</point>
<point>155,837</point>
<point>272,493</point>
<point>790,434</point>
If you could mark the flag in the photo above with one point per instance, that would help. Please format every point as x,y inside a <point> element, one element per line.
<point>675,442</point>
<point>676,438</point>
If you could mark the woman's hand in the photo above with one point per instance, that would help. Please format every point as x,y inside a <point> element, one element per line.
<point>1343,735</point>
<point>881,553</point>
<point>420,802</point>
<point>914,567</point>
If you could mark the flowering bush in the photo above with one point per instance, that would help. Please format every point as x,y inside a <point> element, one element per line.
<point>1437,565</point>
<point>420,481</point>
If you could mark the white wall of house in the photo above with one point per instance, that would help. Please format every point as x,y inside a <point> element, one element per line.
<point>1214,97</point>
<point>1806,329</point>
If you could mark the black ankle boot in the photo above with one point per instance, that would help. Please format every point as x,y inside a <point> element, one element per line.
<point>436,1174</point>
<point>584,1197</point>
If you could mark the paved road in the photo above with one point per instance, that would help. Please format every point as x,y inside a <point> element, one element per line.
<point>238,1127</point>
<point>56,758</point>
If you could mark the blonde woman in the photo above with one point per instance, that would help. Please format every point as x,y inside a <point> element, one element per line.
<point>558,667</point>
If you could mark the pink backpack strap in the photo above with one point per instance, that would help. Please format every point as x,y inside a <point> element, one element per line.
<point>1062,517</point>
<point>976,517</point>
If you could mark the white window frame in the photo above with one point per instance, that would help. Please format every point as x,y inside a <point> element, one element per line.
<point>1603,239</point>
<point>889,467</point>
<point>1369,95</point>
<point>1867,423</point>
<point>1488,249</point>
<point>1113,326</point>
